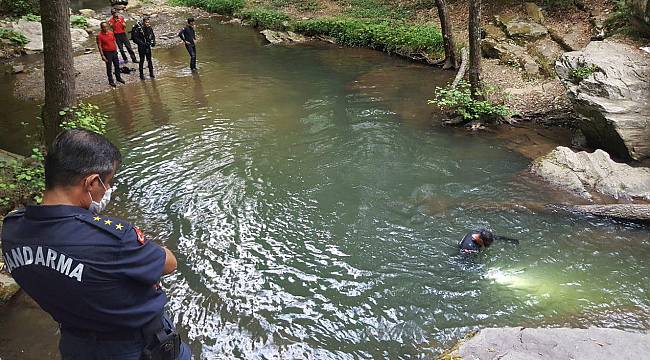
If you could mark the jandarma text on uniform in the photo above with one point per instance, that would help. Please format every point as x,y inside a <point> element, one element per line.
<point>27,255</point>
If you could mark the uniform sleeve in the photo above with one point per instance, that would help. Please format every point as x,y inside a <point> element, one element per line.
<point>141,260</point>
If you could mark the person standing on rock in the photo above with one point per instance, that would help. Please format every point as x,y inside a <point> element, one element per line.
<point>118,24</point>
<point>108,51</point>
<point>142,34</point>
<point>96,275</point>
<point>188,36</point>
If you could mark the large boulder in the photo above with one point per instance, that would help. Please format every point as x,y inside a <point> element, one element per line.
<point>523,31</point>
<point>88,13</point>
<point>34,33</point>
<point>609,86</point>
<point>510,53</point>
<point>582,173</point>
<point>8,288</point>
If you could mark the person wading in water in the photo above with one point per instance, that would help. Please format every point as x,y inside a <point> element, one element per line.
<point>108,51</point>
<point>188,36</point>
<point>476,240</point>
<point>142,34</point>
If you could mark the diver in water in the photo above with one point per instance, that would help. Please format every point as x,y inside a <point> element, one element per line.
<point>475,240</point>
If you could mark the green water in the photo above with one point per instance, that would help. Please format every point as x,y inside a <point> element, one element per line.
<point>314,207</point>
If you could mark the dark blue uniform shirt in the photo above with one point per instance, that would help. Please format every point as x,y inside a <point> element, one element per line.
<point>87,271</point>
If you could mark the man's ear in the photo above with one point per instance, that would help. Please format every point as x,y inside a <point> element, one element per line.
<point>88,182</point>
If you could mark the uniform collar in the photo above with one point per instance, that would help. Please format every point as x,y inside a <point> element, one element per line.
<point>54,211</point>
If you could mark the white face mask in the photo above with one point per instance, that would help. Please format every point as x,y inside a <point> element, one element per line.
<point>98,207</point>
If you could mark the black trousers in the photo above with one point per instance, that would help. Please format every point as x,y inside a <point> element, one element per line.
<point>192,50</point>
<point>145,53</point>
<point>122,40</point>
<point>112,61</point>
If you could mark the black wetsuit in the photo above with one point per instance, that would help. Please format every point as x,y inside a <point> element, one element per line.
<point>145,38</point>
<point>467,245</point>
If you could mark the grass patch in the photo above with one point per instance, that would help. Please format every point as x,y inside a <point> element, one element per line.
<point>223,7</point>
<point>14,36</point>
<point>582,72</point>
<point>265,18</point>
<point>31,17</point>
<point>21,181</point>
<point>19,8</point>
<point>381,35</point>
<point>78,21</point>
<point>377,9</point>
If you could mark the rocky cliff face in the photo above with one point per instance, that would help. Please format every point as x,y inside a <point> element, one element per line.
<point>609,86</point>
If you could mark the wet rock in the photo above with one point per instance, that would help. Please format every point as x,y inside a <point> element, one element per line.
<point>520,30</point>
<point>510,53</point>
<point>234,21</point>
<point>17,69</point>
<point>612,103</point>
<point>8,288</point>
<point>280,37</point>
<point>534,12</point>
<point>582,173</point>
<point>87,13</point>
<point>557,343</point>
<point>34,33</point>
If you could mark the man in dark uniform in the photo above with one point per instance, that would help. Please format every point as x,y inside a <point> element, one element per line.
<point>142,34</point>
<point>97,276</point>
<point>188,36</point>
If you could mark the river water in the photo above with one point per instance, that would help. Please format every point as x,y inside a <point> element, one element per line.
<point>314,207</point>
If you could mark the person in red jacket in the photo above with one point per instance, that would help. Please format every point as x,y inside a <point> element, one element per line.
<point>118,24</point>
<point>108,51</point>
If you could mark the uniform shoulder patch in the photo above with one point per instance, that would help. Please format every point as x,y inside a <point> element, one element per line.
<point>113,226</point>
<point>140,235</point>
<point>15,213</point>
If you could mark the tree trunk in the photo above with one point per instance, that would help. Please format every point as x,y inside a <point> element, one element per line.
<point>58,66</point>
<point>634,212</point>
<point>474,29</point>
<point>451,60</point>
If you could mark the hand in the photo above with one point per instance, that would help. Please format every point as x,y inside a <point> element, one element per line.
<point>187,42</point>
<point>104,59</point>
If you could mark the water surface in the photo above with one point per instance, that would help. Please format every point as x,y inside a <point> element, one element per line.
<point>314,208</point>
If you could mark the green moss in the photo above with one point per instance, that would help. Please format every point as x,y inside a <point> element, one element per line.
<point>265,18</point>
<point>382,35</point>
<point>223,7</point>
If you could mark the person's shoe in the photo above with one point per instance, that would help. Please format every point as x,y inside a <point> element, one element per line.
<point>111,84</point>
<point>121,81</point>
<point>141,77</point>
<point>151,75</point>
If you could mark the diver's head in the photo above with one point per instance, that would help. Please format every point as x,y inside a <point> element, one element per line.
<point>486,236</point>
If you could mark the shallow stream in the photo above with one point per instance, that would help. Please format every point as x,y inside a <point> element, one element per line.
<point>314,207</point>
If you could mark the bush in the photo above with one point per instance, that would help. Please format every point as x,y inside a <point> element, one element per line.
<point>265,18</point>
<point>459,100</point>
<point>22,181</point>
<point>19,7</point>
<point>382,35</point>
<point>14,36</point>
<point>78,21</point>
<point>223,7</point>
<point>85,116</point>
<point>582,72</point>
<point>31,17</point>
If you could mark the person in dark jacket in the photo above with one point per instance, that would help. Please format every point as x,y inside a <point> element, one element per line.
<point>476,240</point>
<point>143,35</point>
<point>188,36</point>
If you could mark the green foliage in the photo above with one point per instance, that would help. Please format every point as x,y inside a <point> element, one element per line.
<point>85,116</point>
<point>78,21</point>
<point>14,36</point>
<point>22,181</point>
<point>32,17</point>
<point>459,100</point>
<point>621,20</point>
<point>382,35</point>
<point>19,7</point>
<point>378,9</point>
<point>265,18</point>
<point>223,7</point>
<point>582,72</point>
